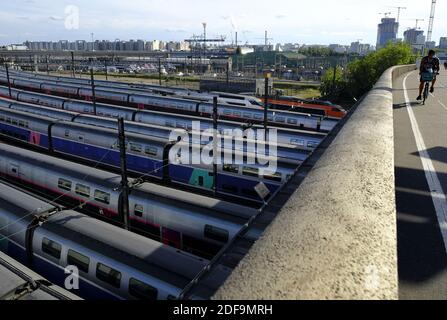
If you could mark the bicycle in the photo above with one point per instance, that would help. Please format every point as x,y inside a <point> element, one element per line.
<point>426,77</point>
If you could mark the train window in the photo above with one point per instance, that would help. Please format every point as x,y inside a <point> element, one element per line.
<point>136,147</point>
<point>141,290</point>
<point>76,259</point>
<point>231,168</point>
<point>312,144</point>
<point>14,122</point>
<point>51,248</point>
<point>258,117</point>
<point>81,138</point>
<point>101,196</point>
<point>170,124</point>
<point>21,123</point>
<point>249,171</point>
<point>274,177</point>
<point>237,114</point>
<point>151,151</point>
<point>8,120</point>
<point>280,119</point>
<point>67,133</point>
<point>227,113</point>
<point>247,115</point>
<point>215,233</point>
<point>138,210</point>
<point>83,190</point>
<point>64,184</point>
<point>2,118</point>
<point>298,142</point>
<point>292,121</point>
<point>108,275</point>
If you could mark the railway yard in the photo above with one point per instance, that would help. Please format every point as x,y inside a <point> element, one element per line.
<point>103,176</point>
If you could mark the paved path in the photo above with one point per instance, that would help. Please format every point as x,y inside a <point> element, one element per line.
<point>421,179</point>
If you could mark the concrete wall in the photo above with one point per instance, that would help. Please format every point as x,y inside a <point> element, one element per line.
<point>336,236</point>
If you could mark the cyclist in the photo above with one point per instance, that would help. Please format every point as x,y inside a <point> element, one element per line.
<point>429,63</point>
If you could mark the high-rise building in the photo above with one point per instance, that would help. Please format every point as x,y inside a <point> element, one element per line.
<point>443,43</point>
<point>414,36</point>
<point>387,32</point>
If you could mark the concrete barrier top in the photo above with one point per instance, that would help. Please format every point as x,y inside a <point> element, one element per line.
<point>336,236</point>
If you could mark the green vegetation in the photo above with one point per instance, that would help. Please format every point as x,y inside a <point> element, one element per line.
<point>362,74</point>
<point>319,52</point>
<point>269,58</point>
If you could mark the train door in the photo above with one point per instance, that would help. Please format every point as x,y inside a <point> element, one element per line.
<point>172,238</point>
<point>202,178</point>
<point>34,138</point>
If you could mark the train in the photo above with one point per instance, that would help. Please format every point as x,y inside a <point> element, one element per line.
<point>177,92</point>
<point>194,223</point>
<point>21,283</point>
<point>112,263</point>
<point>300,139</point>
<point>164,160</point>
<point>292,154</point>
<point>141,100</point>
<point>324,108</point>
<point>286,103</point>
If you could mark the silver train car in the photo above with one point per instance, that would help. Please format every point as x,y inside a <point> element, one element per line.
<point>145,101</point>
<point>285,153</point>
<point>193,223</point>
<point>18,282</point>
<point>112,263</point>
<point>288,137</point>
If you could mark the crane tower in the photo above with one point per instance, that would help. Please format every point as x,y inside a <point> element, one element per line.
<point>432,19</point>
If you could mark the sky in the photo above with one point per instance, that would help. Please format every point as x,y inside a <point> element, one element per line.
<point>296,21</point>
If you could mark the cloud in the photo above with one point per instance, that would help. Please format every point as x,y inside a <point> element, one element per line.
<point>280,16</point>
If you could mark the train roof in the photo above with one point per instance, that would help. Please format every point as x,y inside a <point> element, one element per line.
<point>198,203</point>
<point>165,263</point>
<point>14,276</point>
<point>21,203</point>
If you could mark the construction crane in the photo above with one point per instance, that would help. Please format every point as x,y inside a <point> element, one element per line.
<point>417,22</point>
<point>266,39</point>
<point>432,19</point>
<point>399,9</point>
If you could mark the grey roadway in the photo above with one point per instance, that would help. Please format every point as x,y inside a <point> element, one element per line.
<point>421,179</point>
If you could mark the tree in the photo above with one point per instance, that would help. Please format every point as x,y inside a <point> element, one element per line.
<point>331,86</point>
<point>362,74</point>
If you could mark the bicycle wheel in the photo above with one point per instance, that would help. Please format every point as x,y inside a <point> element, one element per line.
<point>426,90</point>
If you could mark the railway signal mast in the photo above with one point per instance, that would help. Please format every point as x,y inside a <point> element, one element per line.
<point>432,19</point>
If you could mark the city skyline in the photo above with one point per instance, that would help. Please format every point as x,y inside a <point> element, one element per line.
<point>45,20</point>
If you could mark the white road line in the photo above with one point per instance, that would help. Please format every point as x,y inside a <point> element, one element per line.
<point>437,194</point>
<point>443,105</point>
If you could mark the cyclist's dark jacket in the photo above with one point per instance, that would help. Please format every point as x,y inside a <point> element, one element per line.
<point>427,64</point>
